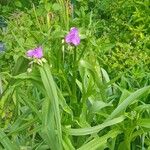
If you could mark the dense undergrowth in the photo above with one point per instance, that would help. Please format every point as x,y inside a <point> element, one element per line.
<point>88,96</point>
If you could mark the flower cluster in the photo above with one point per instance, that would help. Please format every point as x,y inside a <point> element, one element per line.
<point>71,38</point>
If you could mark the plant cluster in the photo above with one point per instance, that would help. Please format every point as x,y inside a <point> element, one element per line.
<point>74,75</point>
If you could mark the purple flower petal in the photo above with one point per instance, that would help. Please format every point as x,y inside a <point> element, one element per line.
<point>68,39</point>
<point>73,37</point>
<point>74,31</point>
<point>76,41</point>
<point>30,53</point>
<point>36,53</point>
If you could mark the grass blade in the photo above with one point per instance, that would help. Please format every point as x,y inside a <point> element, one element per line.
<point>100,141</point>
<point>51,92</point>
<point>121,107</point>
<point>95,129</point>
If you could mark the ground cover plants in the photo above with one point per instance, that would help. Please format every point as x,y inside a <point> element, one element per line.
<point>74,75</point>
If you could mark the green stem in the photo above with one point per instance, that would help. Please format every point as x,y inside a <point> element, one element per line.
<point>74,76</point>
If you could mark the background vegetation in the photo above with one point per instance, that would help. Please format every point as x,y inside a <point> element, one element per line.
<point>94,96</point>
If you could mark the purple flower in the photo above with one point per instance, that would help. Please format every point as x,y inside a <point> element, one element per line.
<point>73,37</point>
<point>36,53</point>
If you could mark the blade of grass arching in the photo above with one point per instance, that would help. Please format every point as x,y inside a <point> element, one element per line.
<point>100,141</point>
<point>6,142</point>
<point>51,92</point>
<point>122,106</point>
<point>95,129</point>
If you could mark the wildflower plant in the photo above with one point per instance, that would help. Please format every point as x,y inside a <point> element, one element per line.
<point>66,100</point>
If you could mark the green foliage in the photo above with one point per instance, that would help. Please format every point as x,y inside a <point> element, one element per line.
<point>92,96</point>
<point>121,30</point>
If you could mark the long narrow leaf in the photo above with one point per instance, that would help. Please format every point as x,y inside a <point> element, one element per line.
<point>122,106</point>
<point>100,141</point>
<point>51,92</point>
<point>95,129</point>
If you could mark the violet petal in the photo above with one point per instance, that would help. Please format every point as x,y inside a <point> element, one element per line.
<point>73,37</point>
